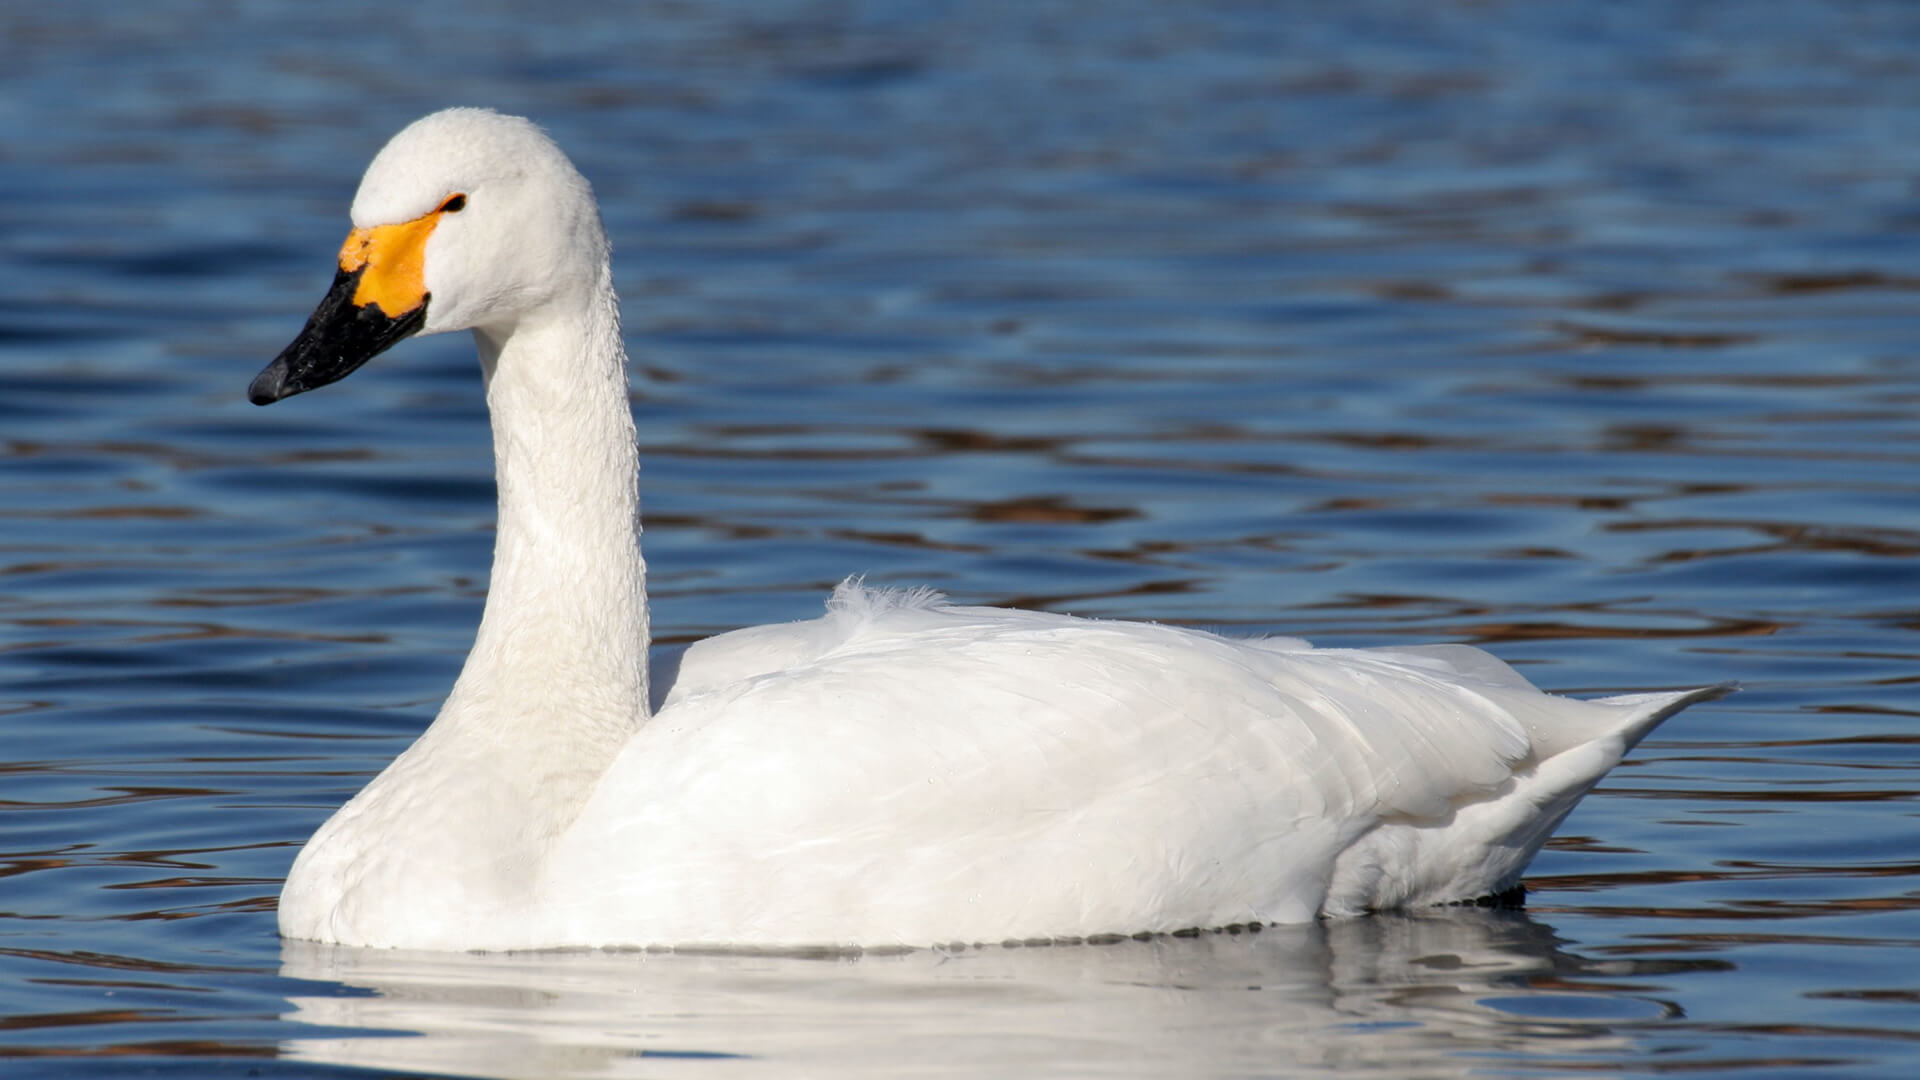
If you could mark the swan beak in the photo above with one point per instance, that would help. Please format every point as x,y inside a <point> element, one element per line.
<point>379,296</point>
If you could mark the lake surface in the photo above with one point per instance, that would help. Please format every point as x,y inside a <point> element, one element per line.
<point>1587,333</point>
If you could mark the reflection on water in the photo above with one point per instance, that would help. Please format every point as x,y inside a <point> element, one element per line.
<point>1443,993</point>
<point>1585,332</point>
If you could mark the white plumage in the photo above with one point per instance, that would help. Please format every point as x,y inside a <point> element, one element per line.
<point>899,771</point>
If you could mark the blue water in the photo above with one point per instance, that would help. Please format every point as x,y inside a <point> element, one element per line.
<point>1584,332</point>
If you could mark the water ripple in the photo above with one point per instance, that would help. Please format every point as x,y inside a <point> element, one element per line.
<point>1584,332</point>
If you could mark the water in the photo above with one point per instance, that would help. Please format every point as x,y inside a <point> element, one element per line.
<point>1585,332</point>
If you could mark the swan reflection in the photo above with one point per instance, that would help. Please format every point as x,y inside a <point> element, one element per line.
<point>1438,992</point>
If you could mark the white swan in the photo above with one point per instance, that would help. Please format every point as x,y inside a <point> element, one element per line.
<point>900,771</point>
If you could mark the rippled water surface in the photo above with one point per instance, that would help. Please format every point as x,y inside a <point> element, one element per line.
<point>1585,332</point>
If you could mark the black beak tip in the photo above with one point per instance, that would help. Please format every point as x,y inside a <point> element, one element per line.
<point>338,338</point>
<point>270,385</point>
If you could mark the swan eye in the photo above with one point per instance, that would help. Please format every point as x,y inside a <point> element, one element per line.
<point>454,205</point>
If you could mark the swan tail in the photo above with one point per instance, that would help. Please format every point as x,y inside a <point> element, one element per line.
<point>1484,843</point>
<point>1647,711</point>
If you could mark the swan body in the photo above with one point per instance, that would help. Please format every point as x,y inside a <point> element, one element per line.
<point>900,771</point>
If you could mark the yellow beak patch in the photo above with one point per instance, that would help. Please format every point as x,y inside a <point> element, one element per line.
<point>395,262</point>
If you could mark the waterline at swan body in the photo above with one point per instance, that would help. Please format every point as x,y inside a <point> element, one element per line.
<point>900,771</point>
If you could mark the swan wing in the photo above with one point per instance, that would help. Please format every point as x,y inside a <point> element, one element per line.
<point>922,772</point>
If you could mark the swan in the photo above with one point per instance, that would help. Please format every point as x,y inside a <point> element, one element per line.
<point>902,771</point>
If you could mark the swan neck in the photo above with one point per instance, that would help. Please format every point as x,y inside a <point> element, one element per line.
<point>563,638</point>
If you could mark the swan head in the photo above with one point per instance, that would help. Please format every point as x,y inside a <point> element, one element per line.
<point>467,219</point>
